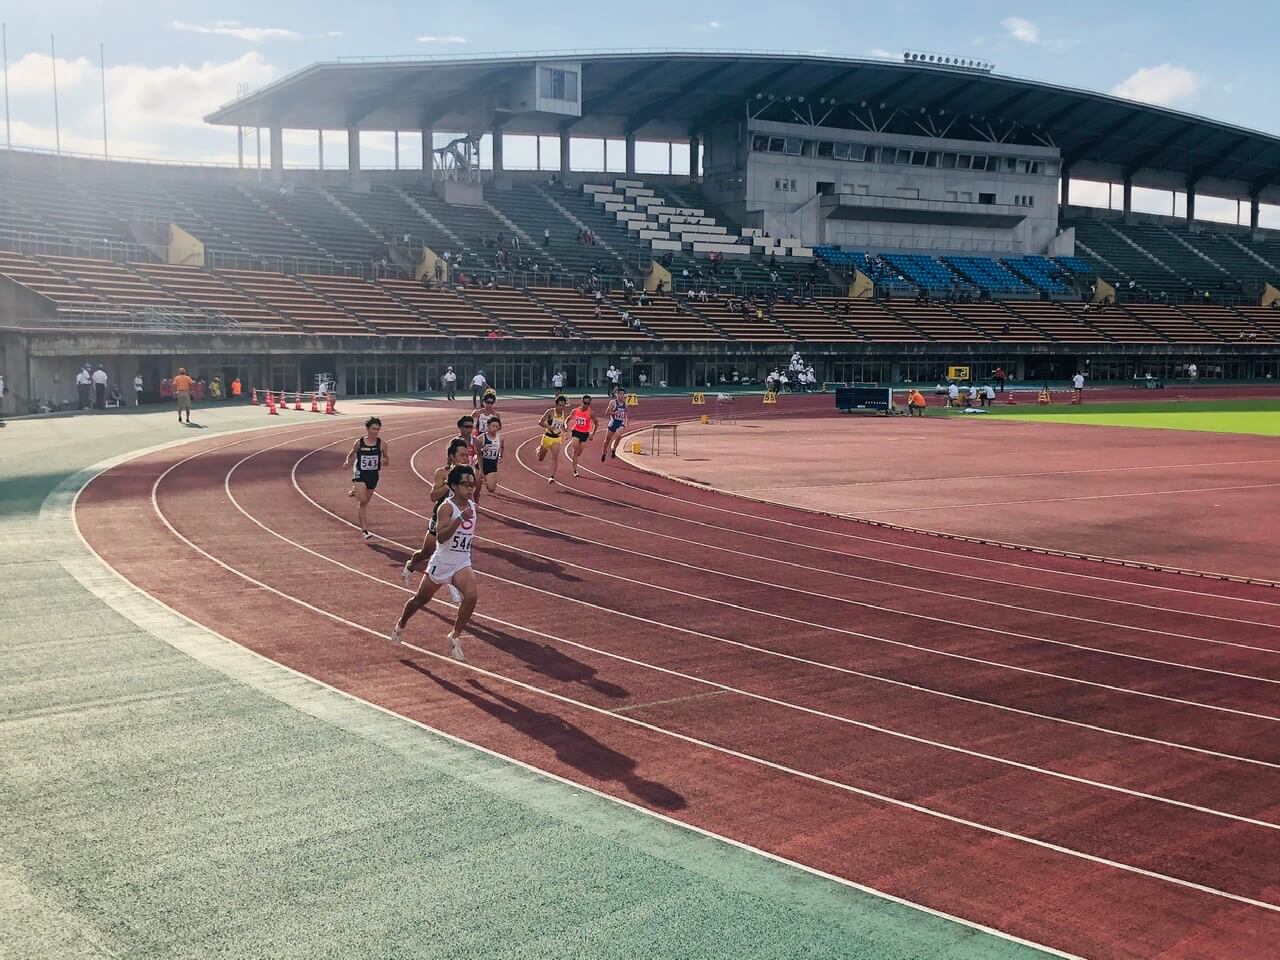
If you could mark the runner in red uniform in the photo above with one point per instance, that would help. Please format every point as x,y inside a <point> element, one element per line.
<point>582,427</point>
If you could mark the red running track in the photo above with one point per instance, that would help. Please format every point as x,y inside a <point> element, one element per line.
<point>1083,758</point>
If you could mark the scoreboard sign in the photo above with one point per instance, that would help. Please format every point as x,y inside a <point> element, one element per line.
<point>957,373</point>
<point>864,399</point>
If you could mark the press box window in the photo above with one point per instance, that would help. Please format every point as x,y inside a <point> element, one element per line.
<point>560,84</point>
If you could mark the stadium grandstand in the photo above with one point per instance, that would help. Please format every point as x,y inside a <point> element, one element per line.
<point>892,218</point>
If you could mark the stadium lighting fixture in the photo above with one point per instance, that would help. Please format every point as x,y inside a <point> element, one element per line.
<point>948,62</point>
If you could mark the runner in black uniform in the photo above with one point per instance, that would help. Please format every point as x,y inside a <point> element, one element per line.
<point>459,456</point>
<point>491,450</point>
<point>369,454</point>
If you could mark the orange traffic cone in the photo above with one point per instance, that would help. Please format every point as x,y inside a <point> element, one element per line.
<point>254,401</point>
<point>315,407</point>
<point>297,400</point>
<point>271,406</point>
<point>330,405</point>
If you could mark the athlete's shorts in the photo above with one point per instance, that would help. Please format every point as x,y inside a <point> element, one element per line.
<point>581,435</point>
<point>616,425</point>
<point>184,402</point>
<point>548,441</point>
<point>368,477</point>
<point>488,466</point>
<point>442,570</point>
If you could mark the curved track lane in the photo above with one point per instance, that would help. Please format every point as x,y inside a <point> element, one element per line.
<point>1062,757</point>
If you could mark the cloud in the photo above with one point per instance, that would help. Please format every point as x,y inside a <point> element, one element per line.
<point>879,53</point>
<point>1021,29</point>
<point>233,28</point>
<point>429,39</point>
<point>151,111</point>
<point>1163,85</point>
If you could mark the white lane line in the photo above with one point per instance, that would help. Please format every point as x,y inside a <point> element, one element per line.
<point>948,554</point>
<point>650,532</point>
<point>554,777</point>
<point>1040,473</point>
<point>841,630</point>
<point>866,605</point>
<point>1096,496</point>
<point>716,748</point>
<point>950,573</point>
<point>1204,751</point>
<point>693,678</point>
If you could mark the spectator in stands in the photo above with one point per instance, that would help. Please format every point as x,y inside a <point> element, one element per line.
<point>439,270</point>
<point>492,335</point>
<point>137,389</point>
<point>737,274</point>
<point>84,387</point>
<point>478,385</point>
<point>999,376</point>
<point>660,288</point>
<point>644,298</point>
<point>100,380</point>
<point>599,311</point>
<point>450,381</point>
<point>614,375</point>
<point>546,236</point>
<point>916,404</point>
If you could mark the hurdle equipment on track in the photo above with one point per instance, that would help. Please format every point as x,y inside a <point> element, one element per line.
<point>726,409</point>
<point>655,442</point>
<point>699,399</point>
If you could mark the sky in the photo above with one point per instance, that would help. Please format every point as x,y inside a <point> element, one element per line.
<point>169,64</point>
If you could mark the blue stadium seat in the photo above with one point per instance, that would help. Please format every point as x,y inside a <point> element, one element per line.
<point>1076,266</point>
<point>925,272</point>
<point>988,275</point>
<point>1040,272</point>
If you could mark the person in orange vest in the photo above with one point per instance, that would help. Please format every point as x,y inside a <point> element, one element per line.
<point>236,388</point>
<point>916,403</point>
<point>182,390</point>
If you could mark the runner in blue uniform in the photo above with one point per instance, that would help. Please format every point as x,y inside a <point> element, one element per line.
<point>616,414</point>
<point>369,454</point>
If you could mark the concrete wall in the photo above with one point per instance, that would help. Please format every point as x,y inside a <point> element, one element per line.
<point>774,190</point>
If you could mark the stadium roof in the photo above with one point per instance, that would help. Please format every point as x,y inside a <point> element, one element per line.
<point>667,95</point>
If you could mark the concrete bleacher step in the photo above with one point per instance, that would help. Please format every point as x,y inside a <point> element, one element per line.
<point>627,269</point>
<point>435,222</point>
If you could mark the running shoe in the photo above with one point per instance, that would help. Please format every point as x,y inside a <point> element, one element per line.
<point>454,595</point>
<point>366,534</point>
<point>602,458</point>
<point>406,573</point>
<point>551,479</point>
<point>455,647</point>
<point>614,455</point>
<point>395,633</point>
<point>351,492</point>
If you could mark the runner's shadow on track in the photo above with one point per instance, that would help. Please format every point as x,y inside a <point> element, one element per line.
<point>532,564</point>
<point>572,745</point>
<point>545,659</point>
<point>396,555</point>
<point>517,523</point>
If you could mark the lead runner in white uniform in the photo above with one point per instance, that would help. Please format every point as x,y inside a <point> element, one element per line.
<point>451,561</point>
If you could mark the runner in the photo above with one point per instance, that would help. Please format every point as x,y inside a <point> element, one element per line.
<point>553,424</point>
<point>491,450</point>
<point>487,410</point>
<point>459,456</point>
<point>370,454</point>
<point>451,562</point>
<point>616,411</point>
<point>583,427</point>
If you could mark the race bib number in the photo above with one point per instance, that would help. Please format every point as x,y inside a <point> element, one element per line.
<point>462,542</point>
<point>370,462</point>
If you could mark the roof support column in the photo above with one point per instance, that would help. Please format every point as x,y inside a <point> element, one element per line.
<point>1065,187</point>
<point>428,154</point>
<point>1191,201</point>
<point>630,143</point>
<point>396,139</point>
<point>353,150</point>
<point>320,147</point>
<point>694,153</point>
<point>277,151</point>
<point>564,154</point>
<point>496,149</point>
<point>1254,209</point>
<point>1128,196</point>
